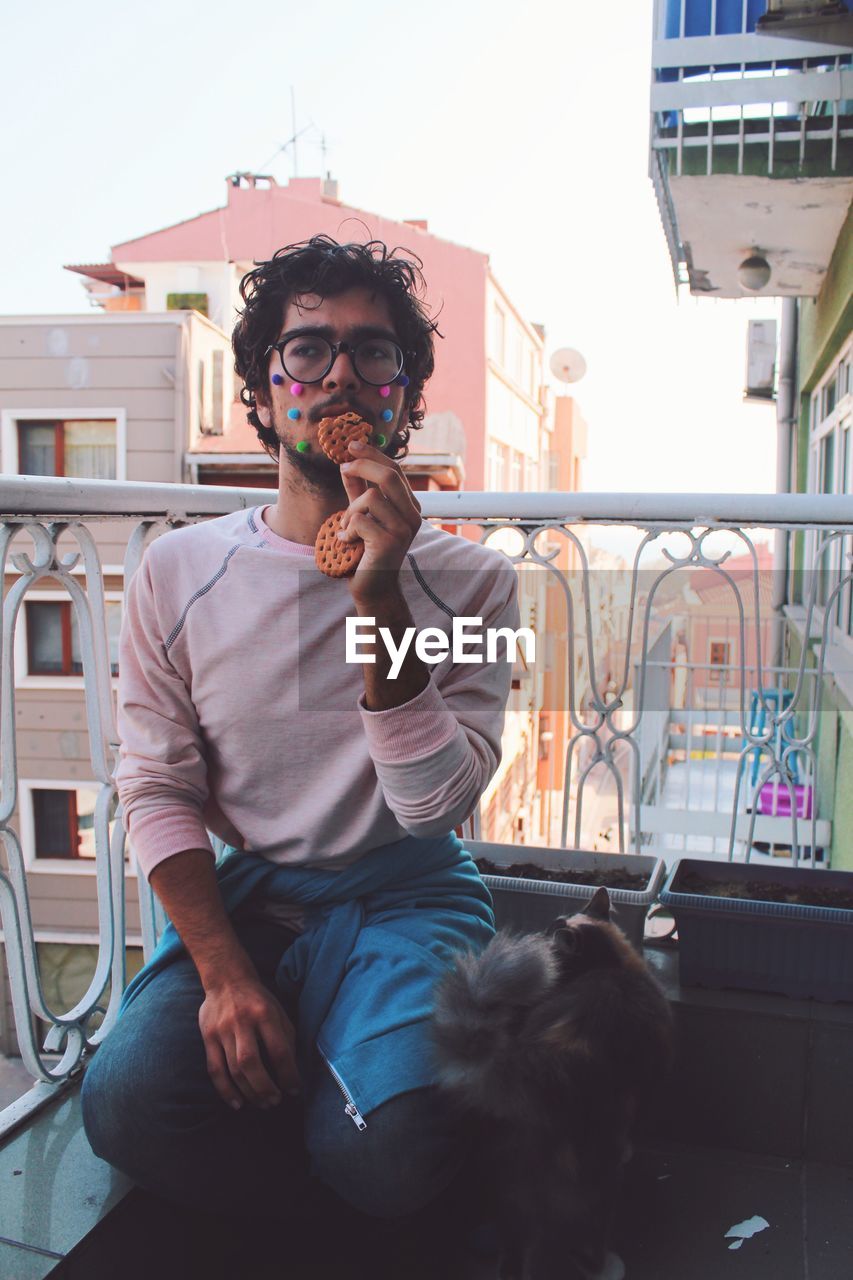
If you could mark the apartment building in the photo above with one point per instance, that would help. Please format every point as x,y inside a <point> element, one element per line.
<point>105,397</point>
<point>752,161</point>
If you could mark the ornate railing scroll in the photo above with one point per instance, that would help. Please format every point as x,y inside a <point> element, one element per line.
<point>614,690</point>
<point>785,755</point>
<point>71,1031</point>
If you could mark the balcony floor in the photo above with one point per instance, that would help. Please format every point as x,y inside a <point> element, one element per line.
<point>756,1074</point>
<point>677,1206</point>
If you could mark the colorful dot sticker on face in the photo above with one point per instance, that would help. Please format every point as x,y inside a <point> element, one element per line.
<point>385,391</point>
<point>402,380</point>
<point>296,388</point>
<point>387,415</point>
<point>302,446</point>
<point>277,379</point>
<point>294,414</point>
<point>381,441</point>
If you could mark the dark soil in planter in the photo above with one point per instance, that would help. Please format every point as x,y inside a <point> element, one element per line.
<point>616,879</point>
<point>765,891</point>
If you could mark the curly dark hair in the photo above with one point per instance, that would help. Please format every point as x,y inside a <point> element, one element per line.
<point>324,267</point>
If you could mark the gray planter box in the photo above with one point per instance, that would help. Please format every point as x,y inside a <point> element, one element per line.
<point>799,951</point>
<point>530,905</point>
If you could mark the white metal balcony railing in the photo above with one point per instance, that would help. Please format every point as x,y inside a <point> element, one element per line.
<point>635,726</point>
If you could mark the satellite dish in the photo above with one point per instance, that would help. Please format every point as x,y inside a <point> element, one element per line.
<point>568,365</point>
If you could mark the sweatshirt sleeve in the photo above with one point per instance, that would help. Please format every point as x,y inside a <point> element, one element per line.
<point>162,774</point>
<point>435,755</point>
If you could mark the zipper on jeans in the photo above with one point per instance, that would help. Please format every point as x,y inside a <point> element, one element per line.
<point>351,1109</point>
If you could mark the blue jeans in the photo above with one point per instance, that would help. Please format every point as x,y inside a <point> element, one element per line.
<point>150,1109</point>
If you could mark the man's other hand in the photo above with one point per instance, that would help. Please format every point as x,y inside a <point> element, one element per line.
<point>249,1042</point>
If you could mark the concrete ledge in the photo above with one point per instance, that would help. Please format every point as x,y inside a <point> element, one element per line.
<point>53,1190</point>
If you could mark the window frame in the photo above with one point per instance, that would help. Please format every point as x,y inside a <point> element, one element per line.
<point>716,669</point>
<point>27,819</point>
<point>23,678</point>
<point>497,343</point>
<point>836,425</point>
<point>9,419</point>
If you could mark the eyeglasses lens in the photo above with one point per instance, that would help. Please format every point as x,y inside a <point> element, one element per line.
<point>308,359</point>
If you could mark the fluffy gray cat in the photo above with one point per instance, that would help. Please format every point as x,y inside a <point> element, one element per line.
<point>546,1043</point>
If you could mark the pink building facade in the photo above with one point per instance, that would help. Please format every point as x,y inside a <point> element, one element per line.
<point>480,369</point>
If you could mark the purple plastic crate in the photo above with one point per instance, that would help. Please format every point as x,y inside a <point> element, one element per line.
<point>774,799</point>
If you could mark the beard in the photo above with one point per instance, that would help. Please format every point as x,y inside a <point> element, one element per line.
<point>317,470</point>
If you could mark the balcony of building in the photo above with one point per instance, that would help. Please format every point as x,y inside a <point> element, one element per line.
<point>680,685</point>
<point>751,147</point>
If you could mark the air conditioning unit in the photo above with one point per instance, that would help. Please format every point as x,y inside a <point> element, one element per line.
<point>761,361</point>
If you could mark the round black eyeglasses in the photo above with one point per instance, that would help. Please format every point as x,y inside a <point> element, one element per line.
<point>306,358</point>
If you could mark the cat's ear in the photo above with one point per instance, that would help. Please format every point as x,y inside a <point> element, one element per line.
<point>599,905</point>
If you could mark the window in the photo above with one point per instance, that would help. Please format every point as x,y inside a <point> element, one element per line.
<point>53,638</point>
<point>720,656</point>
<point>80,448</point>
<point>517,355</point>
<point>827,463</point>
<point>498,335</point>
<point>218,392</point>
<point>202,399</point>
<point>494,467</point>
<point>64,822</point>
<point>516,471</point>
<point>826,484</point>
<point>503,467</point>
<point>830,472</point>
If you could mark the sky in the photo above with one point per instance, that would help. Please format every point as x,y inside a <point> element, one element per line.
<point>520,131</point>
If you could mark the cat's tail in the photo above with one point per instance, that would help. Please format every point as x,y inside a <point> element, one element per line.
<point>481,1009</point>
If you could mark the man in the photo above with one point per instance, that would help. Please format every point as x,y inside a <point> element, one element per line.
<point>280,1036</point>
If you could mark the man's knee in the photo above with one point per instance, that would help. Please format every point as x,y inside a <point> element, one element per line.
<point>396,1166</point>
<point>139,1092</point>
<point>117,1108</point>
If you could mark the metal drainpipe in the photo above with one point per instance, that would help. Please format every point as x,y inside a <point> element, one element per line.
<point>182,426</point>
<point>785,420</point>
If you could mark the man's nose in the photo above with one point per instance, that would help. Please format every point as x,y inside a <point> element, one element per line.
<point>342,374</point>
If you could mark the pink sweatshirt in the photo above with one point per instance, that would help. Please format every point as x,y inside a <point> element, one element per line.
<point>238,713</point>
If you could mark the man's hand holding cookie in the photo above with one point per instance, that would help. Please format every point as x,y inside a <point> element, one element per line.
<point>384,513</point>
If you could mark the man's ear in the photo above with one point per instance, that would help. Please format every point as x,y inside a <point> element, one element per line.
<point>264,411</point>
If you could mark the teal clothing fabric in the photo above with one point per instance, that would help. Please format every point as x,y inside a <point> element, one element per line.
<point>377,936</point>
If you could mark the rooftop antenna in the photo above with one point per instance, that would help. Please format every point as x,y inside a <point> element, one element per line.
<point>295,134</point>
<point>291,142</point>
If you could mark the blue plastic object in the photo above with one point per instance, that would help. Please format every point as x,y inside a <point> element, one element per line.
<point>777,700</point>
